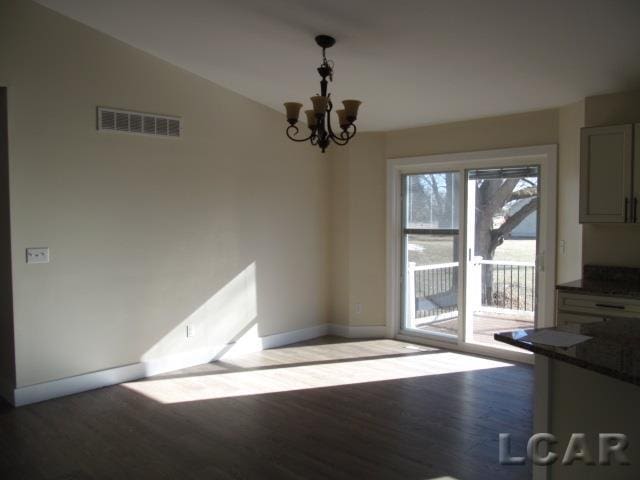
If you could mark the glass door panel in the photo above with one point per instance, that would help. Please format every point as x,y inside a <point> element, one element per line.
<point>431,244</point>
<point>502,242</point>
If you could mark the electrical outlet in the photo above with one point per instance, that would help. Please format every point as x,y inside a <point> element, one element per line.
<point>191,331</point>
<point>38,255</point>
<point>358,309</point>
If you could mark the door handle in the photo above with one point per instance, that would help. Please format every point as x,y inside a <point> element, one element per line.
<point>635,210</point>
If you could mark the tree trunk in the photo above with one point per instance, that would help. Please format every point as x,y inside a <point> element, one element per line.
<point>491,196</point>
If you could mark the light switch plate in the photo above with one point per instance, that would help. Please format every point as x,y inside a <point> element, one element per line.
<point>38,255</point>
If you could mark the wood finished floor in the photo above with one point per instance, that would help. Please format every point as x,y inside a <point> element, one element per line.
<point>326,409</point>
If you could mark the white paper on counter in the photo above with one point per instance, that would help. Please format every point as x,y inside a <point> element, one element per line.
<point>555,338</point>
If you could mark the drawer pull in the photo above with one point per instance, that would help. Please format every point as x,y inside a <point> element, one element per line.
<point>608,305</point>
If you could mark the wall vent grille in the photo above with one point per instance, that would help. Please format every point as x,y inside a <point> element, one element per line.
<point>138,123</point>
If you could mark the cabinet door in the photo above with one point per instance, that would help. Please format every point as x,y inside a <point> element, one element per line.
<point>605,174</point>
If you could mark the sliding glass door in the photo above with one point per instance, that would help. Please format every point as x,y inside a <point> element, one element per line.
<point>502,246</point>
<point>431,246</point>
<point>470,252</point>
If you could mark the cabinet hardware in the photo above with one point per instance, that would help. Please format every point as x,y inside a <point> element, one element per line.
<point>635,210</point>
<point>608,305</point>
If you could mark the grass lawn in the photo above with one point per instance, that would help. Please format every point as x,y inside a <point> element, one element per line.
<point>440,249</point>
<point>517,250</point>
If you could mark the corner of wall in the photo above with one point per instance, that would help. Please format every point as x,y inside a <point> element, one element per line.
<point>367,231</point>
<point>7,341</point>
<point>612,109</point>
<point>358,242</point>
<point>569,257</point>
<point>339,235</point>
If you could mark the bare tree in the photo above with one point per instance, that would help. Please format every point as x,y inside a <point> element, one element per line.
<point>495,198</point>
<point>492,196</point>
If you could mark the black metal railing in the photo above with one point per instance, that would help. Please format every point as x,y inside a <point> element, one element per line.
<point>435,289</point>
<point>509,285</point>
<point>503,285</point>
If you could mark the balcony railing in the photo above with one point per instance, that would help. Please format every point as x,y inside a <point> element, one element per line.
<point>435,288</point>
<point>432,290</point>
<point>512,286</point>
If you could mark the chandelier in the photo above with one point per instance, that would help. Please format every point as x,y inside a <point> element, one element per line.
<point>319,119</point>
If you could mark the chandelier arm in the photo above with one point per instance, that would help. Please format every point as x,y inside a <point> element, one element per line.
<point>349,134</point>
<point>293,127</point>
<point>338,141</point>
<point>345,135</point>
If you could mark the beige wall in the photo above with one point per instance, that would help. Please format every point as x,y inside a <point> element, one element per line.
<point>358,213</point>
<point>232,228</point>
<point>521,130</point>
<point>361,217</point>
<point>569,249</point>
<point>612,109</point>
<point>339,214</point>
<point>7,366</point>
<point>612,244</point>
<point>226,228</point>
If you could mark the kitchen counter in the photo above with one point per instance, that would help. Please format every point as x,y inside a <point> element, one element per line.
<point>591,387</point>
<point>602,287</point>
<point>612,281</point>
<point>613,350</point>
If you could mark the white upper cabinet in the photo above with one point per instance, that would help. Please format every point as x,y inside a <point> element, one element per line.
<point>607,174</point>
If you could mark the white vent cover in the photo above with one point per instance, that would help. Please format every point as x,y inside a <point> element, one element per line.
<point>137,123</point>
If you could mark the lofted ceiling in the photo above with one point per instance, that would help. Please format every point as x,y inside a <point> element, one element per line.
<point>412,62</point>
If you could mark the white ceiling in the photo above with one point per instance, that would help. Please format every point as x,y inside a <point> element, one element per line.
<point>412,62</point>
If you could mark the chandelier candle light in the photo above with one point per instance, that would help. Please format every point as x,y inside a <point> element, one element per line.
<point>319,119</point>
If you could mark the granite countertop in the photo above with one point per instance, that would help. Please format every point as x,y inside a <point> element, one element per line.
<point>602,287</point>
<point>602,280</point>
<point>613,350</point>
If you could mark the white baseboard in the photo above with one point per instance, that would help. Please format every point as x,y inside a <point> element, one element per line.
<point>127,373</point>
<point>80,383</point>
<point>244,345</point>
<point>104,378</point>
<point>358,331</point>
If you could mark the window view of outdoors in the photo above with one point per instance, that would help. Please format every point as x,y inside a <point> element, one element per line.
<point>502,231</point>
<point>502,271</point>
<point>432,217</point>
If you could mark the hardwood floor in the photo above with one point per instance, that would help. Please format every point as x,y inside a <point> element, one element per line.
<point>485,325</point>
<point>327,409</point>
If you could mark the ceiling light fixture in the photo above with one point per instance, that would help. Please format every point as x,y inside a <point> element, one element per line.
<point>319,119</point>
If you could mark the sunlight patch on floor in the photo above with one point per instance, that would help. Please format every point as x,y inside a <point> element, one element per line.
<point>323,353</point>
<point>272,380</point>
